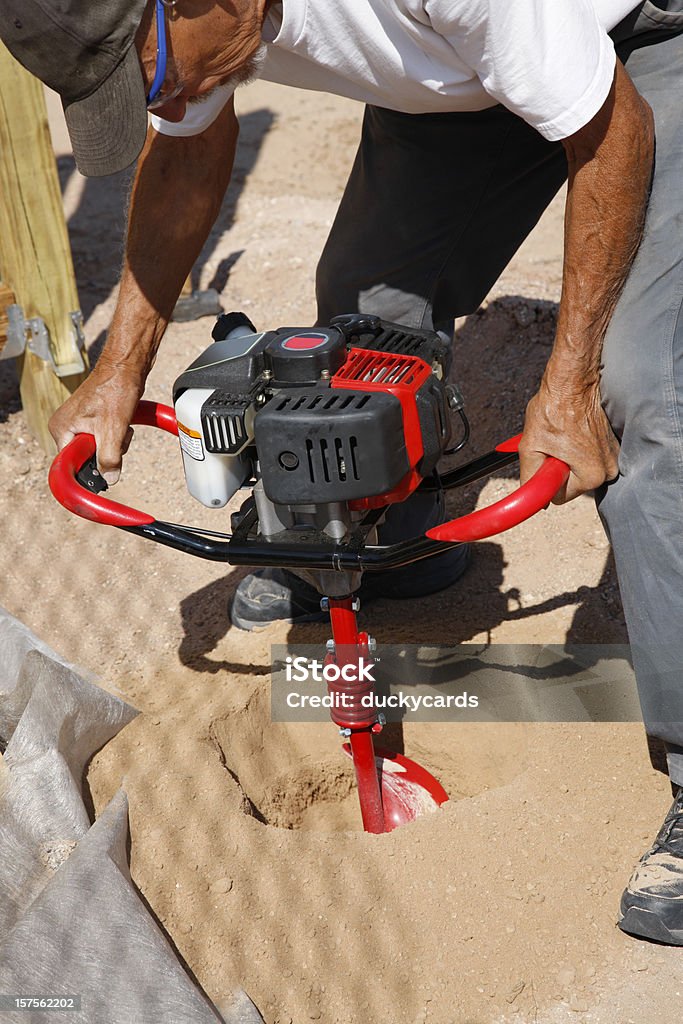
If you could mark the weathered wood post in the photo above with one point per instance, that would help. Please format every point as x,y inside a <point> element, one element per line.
<point>6,299</point>
<point>35,258</point>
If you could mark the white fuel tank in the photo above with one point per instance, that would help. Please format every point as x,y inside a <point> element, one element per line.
<point>212,479</point>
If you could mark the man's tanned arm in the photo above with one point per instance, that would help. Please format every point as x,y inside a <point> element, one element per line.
<point>176,197</point>
<point>610,166</point>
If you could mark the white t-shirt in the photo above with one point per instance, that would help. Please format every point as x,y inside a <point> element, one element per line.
<point>549,61</point>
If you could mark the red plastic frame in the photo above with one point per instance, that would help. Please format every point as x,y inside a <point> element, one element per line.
<point>408,374</point>
<point>87,505</point>
<point>523,503</point>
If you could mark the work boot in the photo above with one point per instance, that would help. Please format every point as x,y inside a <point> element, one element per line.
<point>271,595</point>
<point>652,903</point>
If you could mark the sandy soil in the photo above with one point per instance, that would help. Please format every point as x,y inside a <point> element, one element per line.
<point>501,907</point>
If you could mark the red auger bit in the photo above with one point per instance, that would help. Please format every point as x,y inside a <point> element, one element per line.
<point>327,427</point>
<point>392,789</point>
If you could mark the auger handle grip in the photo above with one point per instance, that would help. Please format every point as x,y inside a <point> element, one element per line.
<point>70,493</point>
<point>512,510</point>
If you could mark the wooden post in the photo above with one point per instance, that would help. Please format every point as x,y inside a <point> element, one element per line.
<point>6,299</point>
<point>35,257</point>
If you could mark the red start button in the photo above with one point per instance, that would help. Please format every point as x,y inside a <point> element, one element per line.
<point>304,342</point>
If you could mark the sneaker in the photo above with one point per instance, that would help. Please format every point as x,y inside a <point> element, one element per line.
<point>270,595</point>
<point>652,903</point>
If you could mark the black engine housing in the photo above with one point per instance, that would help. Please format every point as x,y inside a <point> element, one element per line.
<point>275,399</point>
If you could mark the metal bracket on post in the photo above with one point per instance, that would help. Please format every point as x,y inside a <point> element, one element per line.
<point>78,346</point>
<point>32,334</point>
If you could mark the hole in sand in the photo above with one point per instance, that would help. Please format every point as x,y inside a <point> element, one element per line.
<point>296,776</point>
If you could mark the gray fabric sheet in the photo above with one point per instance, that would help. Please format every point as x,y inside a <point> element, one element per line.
<point>71,921</point>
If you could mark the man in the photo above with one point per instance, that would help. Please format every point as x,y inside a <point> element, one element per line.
<point>477,112</point>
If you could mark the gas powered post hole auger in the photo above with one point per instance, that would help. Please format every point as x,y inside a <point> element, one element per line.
<point>327,427</point>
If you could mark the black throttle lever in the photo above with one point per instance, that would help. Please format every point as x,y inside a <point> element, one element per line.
<point>90,477</point>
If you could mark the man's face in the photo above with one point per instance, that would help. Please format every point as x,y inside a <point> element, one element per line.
<point>209,44</point>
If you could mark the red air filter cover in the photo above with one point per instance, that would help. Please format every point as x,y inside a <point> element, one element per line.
<point>401,376</point>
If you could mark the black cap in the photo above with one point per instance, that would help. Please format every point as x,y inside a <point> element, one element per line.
<point>83,49</point>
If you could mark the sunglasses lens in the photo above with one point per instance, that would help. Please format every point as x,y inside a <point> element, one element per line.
<point>165,97</point>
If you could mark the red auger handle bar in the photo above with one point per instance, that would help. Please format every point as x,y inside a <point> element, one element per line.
<point>92,505</point>
<point>515,508</point>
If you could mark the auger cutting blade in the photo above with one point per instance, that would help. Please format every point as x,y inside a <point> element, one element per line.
<point>408,790</point>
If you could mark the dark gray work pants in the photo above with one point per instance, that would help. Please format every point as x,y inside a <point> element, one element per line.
<point>435,208</point>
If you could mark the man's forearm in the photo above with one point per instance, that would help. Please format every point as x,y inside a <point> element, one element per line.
<point>177,194</point>
<point>175,200</point>
<point>610,167</point>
